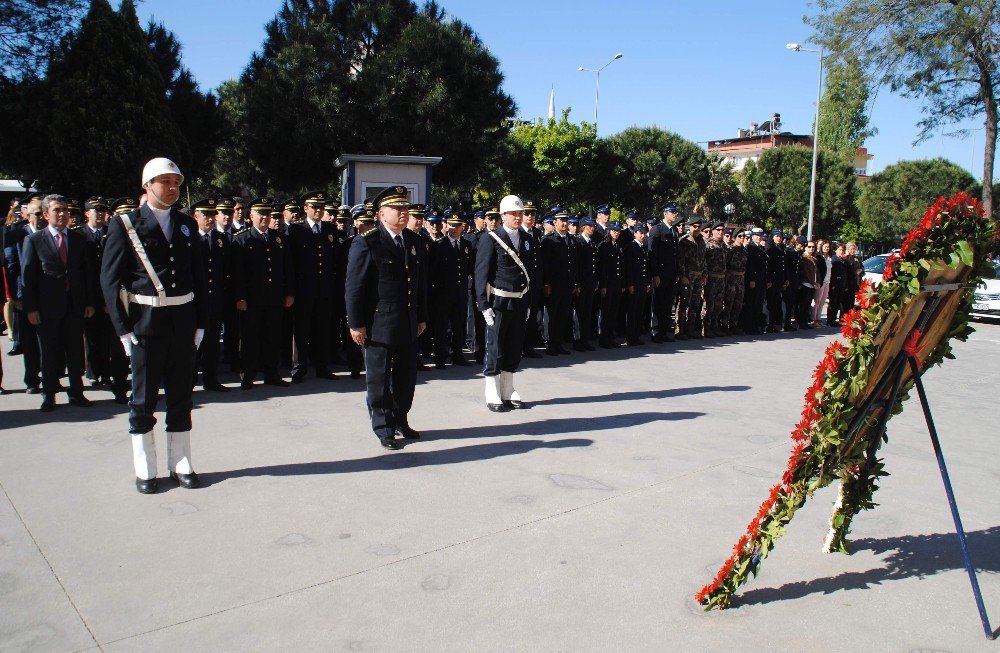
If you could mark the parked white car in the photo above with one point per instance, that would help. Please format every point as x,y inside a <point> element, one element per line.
<point>874,267</point>
<point>986,301</point>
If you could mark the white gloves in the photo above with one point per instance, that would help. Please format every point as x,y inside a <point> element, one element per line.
<point>128,340</point>
<point>489,316</point>
<point>199,335</point>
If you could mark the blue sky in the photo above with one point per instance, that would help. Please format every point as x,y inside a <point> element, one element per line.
<point>701,69</point>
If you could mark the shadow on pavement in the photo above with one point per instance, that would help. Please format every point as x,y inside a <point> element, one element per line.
<point>559,425</point>
<point>912,556</point>
<point>642,394</point>
<point>391,461</point>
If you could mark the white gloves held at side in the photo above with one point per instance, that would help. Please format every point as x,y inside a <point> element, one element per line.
<point>129,340</point>
<point>489,316</point>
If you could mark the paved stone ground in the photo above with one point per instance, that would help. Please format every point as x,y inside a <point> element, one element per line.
<point>583,524</point>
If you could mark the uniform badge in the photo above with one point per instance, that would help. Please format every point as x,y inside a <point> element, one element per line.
<point>330,238</point>
<point>527,244</point>
<point>277,239</point>
<point>218,242</point>
<point>185,231</point>
<point>413,251</point>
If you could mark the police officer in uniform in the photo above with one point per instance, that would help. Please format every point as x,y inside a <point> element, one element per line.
<point>610,279</point>
<point>264,286</point>
<point>364,221</point>
<point>225,222</point>
<point>450,267</point>
<point>502,288</point>
<point>533,261</point>
<point>663,240</point>
<point>637,283</point>
<point>386,294</point>
<point>214,246</point>
<point>313,247</point>
<point>157,266</point>
<point>587,265</point>
<point>560,276</point>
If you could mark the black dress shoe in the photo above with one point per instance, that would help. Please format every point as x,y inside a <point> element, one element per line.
<point>326,375</point>
<point>657,339</point>
<point>355,375</point>
<point>635,343</point>
<point>15,351</point>
<point>513,404</point>
<point>187,481</point>
<point>246,384</point>
<point>590,347</point>
<point>389,442</point>
<point>552,352</point>
<point>297,378</point>
<point>461,362</point>
<point>564,351</point>
<point>421,367</point>
<point>276,381</point>
<point>80,401</point>
<point>531,353</point>
<point>498,408</point>
<point>145,486</point>
<point>406,432</point>
<point>48,405</point>
<point>33,390</point>
<point>216,387</point>
<point>121,398</point>
<point>439,365</point>
<point>579,347</point>
<point>4,392</point>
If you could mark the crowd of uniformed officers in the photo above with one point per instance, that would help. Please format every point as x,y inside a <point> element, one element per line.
<point>275,276</point>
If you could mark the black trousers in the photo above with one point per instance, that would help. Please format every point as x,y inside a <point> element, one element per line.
<point>167,361</point>
<point>559,305</point>
<point>390,380</point>
<point>60,341</point>
<point>231,334</point>
<point>753,309</point>
<point>791,297</point>
<point>610,306</point>
<point>635,305</point>
<point>480,333</point>
<point>664,297</point>
<point>532,330</point>
<point>584,306</point>
<point>208,353</point>
<point>287,335</point>
<point>313,324</point>
<point>97,333</point>
<point>505,340</point>
<point>260,336</point>
<point>835,306</point>
<point>803,312</point>
<point>450,315</point>
<point>774,313</point>
<point>31,351</point>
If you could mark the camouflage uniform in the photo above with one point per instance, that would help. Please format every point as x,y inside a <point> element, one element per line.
<point>735,285</point>
<point>691,264</point>
<point>715,284</point>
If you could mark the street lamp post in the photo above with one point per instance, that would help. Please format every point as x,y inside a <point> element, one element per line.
<point>597,88</point>
<point>797,47</point>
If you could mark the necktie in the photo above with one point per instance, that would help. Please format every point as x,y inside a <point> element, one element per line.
<point>264,234</point>
<point>208,240</point>
<point>455,243</point>
<point>63,251</point>
<point>399,241</point>
<point>316,228</point>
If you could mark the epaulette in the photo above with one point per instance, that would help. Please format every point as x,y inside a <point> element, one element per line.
<point>371,234</point>
<point>240,231</point>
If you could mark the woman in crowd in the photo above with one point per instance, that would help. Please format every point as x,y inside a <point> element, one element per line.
<point>824,269</point>
<point>838,287</point>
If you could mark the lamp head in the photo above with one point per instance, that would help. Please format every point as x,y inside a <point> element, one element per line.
<point>618,56</point>
<point>794,46</point>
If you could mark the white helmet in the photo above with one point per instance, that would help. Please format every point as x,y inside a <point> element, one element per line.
<point>159,166</point>
<point>511,203</point>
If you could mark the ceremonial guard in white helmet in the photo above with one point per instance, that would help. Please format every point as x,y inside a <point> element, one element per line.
<point>502,287</point>
<point>153,279</point>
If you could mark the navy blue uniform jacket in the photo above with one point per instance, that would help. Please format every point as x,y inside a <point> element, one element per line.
<point>386,287</point>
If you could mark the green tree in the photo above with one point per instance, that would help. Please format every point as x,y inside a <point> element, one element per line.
<point>563,157</point>
<point>29,29</point>
<point>944,52</point>
<point>723,188</point>
<point>777,190</point>
<point>894,200</point>
<point>645,167</point>
<point>101,111</point>
<point>843,112</point>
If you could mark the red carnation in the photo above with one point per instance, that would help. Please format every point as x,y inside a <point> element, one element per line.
<point>912,346</point>
<point>854,324</point>
<point>864,295</point>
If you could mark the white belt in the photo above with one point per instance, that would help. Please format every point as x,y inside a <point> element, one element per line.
<point>157,302</point>
<point>511,294</point>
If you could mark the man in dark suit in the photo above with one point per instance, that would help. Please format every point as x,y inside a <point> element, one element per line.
<point>27,343</point>
<point>533,261</point>
<point>583,303</point>
<point>59,290</point>
<point>214,246</point>
<point>637,283</point>
<point>314,247</point>
<point>225,222</point>
<point>264,286</point>
<point>502,296</point>
<point>153,281</point>
<point>386,295</point>
<point>450,267</point>
<point>610,276</point>
<point>559,274</point>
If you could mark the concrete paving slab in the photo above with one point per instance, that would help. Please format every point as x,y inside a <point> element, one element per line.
<point>584,523</point>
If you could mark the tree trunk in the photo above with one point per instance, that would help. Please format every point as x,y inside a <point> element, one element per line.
<point>989,153</point>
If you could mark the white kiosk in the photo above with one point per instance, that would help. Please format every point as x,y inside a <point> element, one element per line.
<point>366,175</point>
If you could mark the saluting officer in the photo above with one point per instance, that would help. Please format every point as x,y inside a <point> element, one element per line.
<point>264,286</point>
<point>151,259</point>
<point>502,288</point>
<point>214,246</point>
<point>610,279</point>
<point>387,311</point>
<point>313,247</point>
